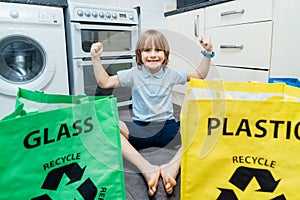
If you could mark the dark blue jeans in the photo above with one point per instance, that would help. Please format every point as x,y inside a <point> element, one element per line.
<point>154,134</point>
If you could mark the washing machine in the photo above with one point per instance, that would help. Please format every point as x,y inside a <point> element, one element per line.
<point>32,51</point>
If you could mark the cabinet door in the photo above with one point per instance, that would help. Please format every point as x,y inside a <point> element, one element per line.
<point>183,31</point>
<point>286,41</point>
<point>190,24</point>
<point>238,12</point>
<point>246,45</point>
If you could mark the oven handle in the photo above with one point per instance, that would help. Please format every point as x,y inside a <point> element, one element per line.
<point>104,27</point>
<point>81,63</point>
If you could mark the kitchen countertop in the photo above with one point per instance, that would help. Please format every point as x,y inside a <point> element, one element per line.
<point>57,3</point>
<point>194,7</point>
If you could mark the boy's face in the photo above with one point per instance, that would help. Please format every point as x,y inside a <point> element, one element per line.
<point>153,58</point>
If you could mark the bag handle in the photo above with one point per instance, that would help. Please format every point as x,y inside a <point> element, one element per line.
<point>19,111</point>
<point>251,86</point>
<point>41,97</point>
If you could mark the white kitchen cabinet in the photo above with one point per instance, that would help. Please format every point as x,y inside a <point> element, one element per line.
<point>286,41</point>
<point>263,36</point>
<point>241,31</point>
<point>189,24</point>
<point>183,31</point>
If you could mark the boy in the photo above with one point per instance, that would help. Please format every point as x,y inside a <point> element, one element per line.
<point>153,121</point>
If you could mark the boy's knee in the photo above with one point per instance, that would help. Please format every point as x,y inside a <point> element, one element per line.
<point>123,129</point>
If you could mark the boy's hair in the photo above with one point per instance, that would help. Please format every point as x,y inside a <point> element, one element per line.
<point>149,38</point>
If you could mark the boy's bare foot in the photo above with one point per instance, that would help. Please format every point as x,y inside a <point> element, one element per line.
<point>169,173</point>
<point>152,177</point>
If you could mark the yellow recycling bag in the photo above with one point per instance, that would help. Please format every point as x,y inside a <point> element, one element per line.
<point>240,141</point>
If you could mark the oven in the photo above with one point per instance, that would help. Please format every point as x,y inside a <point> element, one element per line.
<point>117,29</point>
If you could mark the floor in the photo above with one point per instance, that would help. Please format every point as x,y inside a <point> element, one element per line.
<point>136,187</point>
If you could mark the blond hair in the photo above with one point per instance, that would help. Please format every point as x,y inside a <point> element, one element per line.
<point>149,38</point>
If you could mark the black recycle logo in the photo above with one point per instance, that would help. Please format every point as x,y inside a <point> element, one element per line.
<point>73,171</point>
<point>242,177</point>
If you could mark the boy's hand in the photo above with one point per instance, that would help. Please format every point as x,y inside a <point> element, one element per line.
<point>96,49</point>
<point>206,43</point>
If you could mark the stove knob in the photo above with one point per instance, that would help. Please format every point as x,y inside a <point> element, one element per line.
<point>131,17</point>
<point>108,15</point>
<point>101,14</point>
<point>87,13</point>
<point>80,13</point>
<point>114,15</point>
<point>94,14</point>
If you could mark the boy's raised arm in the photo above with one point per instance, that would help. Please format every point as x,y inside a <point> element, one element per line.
<point>202,70</point>
<point>102,78</point>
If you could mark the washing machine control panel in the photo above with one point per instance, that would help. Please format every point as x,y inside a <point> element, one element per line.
<point>31,15</point>
<point>48,18</point>
<point>103,14</point>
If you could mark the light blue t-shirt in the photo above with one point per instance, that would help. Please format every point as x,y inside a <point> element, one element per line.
<point>152,93</point>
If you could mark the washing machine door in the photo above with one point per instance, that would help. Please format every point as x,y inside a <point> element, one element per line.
<point>23,63</point>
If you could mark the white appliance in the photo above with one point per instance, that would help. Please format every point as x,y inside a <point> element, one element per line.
<point>117,29</point>
<point>32,51</point>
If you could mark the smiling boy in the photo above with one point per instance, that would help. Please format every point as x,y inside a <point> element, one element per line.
<point>153,120</point>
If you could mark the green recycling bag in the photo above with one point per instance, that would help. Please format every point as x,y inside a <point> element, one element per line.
<point>69,152</point>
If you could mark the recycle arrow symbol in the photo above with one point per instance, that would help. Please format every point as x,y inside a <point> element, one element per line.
<point>87,189</point>
<point>227,194</point>
<point>73,171</point>
<point>242,177</point>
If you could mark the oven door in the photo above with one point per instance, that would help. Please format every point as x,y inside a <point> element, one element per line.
<point>116,40</point>
<point>85,81</point>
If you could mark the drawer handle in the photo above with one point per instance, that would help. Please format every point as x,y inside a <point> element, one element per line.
<point>196,26</point>
<point>233,12</point>
<point>222,46</point>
